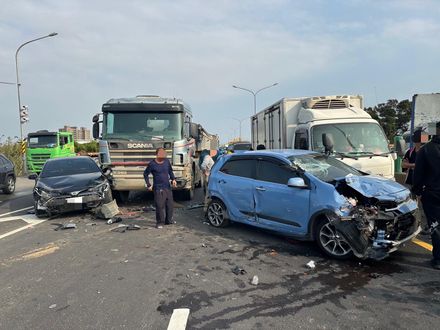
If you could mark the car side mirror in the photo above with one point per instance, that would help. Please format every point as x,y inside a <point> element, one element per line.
<point>327,141</point>
<point>297,183</point>
<point>33,176</point>
<point>400,147</point>
<point>95,130</point>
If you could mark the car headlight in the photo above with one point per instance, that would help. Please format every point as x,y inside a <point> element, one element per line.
<point>44,195</point>
<point>101,188</point>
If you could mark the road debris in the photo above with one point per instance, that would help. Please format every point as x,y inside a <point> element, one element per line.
<point>114,220</point>
<point>124,228</point>
<point>64,226</point>
<point>272,252</point>
<point>204,245</point>
<point>311,264</point>
<point>254,280</point>
<point>91,224</point>
<point>195,206</point>
<point>107,211</point>
<point>149,208</point>
<point>52,306</point>
<point>238,270</point>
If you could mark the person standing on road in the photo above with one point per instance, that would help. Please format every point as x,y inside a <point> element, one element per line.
<point>162,172</point>
<point>409,160</point>
<point>206,163</point>
<point>426,183</point>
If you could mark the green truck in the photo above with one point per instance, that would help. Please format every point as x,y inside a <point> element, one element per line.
<point>43,145</point>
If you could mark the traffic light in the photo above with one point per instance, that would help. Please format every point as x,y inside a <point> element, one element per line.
<point>24,114</point>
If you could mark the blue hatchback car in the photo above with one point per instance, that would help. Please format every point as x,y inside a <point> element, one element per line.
<point>310,196</point>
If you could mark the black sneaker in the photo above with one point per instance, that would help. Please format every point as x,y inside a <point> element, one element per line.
<point>435,264</point>
<point>172,222</point>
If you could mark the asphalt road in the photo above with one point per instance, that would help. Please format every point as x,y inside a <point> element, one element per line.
<point>94,278</point>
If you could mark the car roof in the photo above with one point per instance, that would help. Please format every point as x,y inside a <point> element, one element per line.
<point>278,153</point>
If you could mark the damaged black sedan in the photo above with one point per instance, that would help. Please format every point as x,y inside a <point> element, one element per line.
<point>69,184</point>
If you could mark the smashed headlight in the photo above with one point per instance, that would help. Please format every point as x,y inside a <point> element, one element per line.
<point>44,195</point>
<point>101,188</point>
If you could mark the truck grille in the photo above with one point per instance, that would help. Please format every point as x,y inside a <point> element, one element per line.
<point>126,156</point>
<point>38,160</point>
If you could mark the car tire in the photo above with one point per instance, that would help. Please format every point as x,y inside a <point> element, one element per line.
<point>217,214</point>
<point>39,213</point>
<point>10,185</point>
<point>108,197</point>
<point>330,242</point>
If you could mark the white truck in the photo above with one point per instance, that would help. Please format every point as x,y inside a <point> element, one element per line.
<point>334,124</point>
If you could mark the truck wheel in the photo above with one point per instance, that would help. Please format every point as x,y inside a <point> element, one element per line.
<point>10,185</point>
<point>217,214</point>
<point>330,242</point>
<point>121,196</point>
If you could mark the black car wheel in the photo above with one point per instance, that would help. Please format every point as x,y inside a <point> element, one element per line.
<point>331,242</point>
<point>217,214</point>
<point>10,185</point>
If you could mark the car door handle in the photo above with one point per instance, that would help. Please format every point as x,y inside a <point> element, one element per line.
<point>260,188</point>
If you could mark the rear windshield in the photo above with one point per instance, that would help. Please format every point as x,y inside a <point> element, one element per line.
<point>69,166</point>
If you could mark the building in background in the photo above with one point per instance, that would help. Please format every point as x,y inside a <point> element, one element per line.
<point>80,134</point>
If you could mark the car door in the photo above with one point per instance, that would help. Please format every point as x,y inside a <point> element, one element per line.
<point>236,184</point>
<point>280,207</point>
<point>3,170</point>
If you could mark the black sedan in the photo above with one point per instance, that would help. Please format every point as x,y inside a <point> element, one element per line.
<point>7,175</point>
<point>69,184</point>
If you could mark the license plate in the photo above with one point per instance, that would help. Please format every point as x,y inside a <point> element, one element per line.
<point>74,200</point>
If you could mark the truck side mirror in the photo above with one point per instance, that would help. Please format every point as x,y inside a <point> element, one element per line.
<point>96,130</point>
<point>327,141</point>
<point>400,147</point>
<point>194,130</point>
<point>95,118</point>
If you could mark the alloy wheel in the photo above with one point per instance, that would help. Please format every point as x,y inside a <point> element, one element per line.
<point>332,242</point>
<point>216,215</point>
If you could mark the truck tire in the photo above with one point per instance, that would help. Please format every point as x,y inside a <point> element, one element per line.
<point>330,242</point>
<point>120,196</point>
<point>10,185</point>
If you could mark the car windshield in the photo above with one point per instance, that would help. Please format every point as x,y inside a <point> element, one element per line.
<point>69,166</point>
<point>143,126</point>
<point>352,138</point>
<point>43,141</point>
<point>323,167</point>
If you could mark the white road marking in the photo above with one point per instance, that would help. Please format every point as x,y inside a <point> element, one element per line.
<point>178,319</point>
<point>16,211</point>
<point>30,219</point>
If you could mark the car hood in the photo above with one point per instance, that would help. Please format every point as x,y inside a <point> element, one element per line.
<point>70,183</point>
<point>377,187</point>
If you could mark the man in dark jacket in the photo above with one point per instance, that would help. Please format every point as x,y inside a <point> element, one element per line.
<point>162,172</point>
<point>426,183</point>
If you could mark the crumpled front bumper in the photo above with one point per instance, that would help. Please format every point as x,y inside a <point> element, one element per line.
<point>69,203</point>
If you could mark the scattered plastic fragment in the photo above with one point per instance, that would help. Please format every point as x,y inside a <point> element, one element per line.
<point>52,306</point>
<point>311,264</point>
<point>64,226</point>
<point>114,250</point>
<point>149,208</point>
<point>107,211</point>
<point>254,280</point>
<point>238,271</point>
<point>204,245</point>
<point>114,220</point>
<point>195,206</point>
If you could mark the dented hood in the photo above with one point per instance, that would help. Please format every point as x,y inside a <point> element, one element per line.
<point>70,183</point>
<point>377,187</point>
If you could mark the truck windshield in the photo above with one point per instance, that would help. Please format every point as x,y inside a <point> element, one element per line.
<point>352,138</point>
<point>43,141</point>
<point>145,126</point>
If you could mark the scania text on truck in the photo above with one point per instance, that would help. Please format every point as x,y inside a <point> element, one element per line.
<point>132,129</point>
<point>308,122</point>
<point>43,145</point>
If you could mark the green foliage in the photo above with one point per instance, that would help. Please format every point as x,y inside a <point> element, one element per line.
<point>12,150</point>
<point>87,147</point>
<point>393,116</point>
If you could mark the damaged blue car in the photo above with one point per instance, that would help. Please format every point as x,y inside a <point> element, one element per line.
<point>310,196</point>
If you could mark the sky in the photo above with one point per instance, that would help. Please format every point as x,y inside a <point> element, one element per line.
<point>196,50</point>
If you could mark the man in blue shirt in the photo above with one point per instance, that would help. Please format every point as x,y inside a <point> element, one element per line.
<point>162,172</point>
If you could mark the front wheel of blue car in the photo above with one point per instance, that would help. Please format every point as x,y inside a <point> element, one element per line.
<point>331,242</point>
<point>217,214</point>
